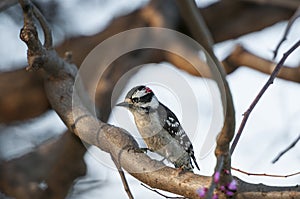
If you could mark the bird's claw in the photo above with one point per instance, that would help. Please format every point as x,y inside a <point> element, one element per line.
<point>139,150</point>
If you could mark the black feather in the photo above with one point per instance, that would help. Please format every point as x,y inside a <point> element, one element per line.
<point>172,125</point>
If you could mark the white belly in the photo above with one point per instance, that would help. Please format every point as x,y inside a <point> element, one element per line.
<point>157,138</point>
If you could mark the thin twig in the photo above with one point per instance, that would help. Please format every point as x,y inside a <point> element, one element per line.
<point>163,195</point>
<point>123,178</point>
<point>265,174</point>
<point>213,185</point>
<point>286,150</point>
<point>260,94</point>
<point>48,43</point>
<point>287,30</point>
<point>28,9</point>
<point>29,32</point>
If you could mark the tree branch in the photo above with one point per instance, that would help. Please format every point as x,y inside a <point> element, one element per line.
<point>241,57</point>
<point>265,174</point>
<point>224,18</point>
<point>194,20</point>
<point>202,36</point>
<point>123,178</point>
<point>286,150</point>
<point>293,4</point>
<point>213,185</point>
<point>287,30</point>
<point>22,96</point>
<point>53,163</point>
<point>48,43</point>
<point>260,94</point>
<point>168,197</point>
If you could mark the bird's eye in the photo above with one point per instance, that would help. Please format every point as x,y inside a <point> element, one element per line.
<point>135,100</point>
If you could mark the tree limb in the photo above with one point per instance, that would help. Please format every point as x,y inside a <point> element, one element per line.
<point>53,163</point>
<point>293,4</point>
<point>224,18</point>
<point>123,178</point>
<point>241,57</point>
<point>202,36</point>
<point>261,92</point>
<point>287,30</point>
<point>22,96</point>
<point>265,174</point>
<point>48,43</point>
<point>287,149</point>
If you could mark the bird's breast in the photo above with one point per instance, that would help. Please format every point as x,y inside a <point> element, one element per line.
<point>148,124</point>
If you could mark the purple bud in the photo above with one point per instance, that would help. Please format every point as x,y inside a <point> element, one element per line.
<point>226,171</point>
<point>217,177</point>
<point>232,185</point>
<point>222,188</point>
<point>202,191</point>
<point>229,193</point>
<point>215,196</point>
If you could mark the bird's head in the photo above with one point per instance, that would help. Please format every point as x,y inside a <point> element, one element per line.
<point>140,98</point>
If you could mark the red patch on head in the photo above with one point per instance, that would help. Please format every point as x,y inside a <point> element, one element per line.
<point>148,90</point>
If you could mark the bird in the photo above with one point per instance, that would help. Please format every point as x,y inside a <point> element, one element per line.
<point>160,128</point>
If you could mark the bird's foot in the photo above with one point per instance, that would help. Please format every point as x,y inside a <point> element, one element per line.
<point>182,170</point>
<point>139,150</point>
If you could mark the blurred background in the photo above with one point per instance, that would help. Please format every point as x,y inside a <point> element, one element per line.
<point>40,158</point>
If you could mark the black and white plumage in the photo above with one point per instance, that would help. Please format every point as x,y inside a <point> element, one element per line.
<point>160,128</point>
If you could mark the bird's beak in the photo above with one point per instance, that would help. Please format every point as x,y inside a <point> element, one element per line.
<point>125,104</point>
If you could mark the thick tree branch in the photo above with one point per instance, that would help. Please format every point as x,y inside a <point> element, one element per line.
<point>293,4</point>
<point>22,96</point>
<point>54,164</point>
<point>202,36</point>
<point>67,167</point>
<point>241,57</point>
<point>196,23</point>
<point>224,18</point>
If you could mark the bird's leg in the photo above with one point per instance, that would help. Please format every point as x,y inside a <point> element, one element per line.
<point>140,150</point>
<point>182,170</point>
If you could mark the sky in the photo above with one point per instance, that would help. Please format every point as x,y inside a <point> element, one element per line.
<point>272,126</point>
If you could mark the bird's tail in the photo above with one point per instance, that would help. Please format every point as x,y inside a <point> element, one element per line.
<point>195,162</point>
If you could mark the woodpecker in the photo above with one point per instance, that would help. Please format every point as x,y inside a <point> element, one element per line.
<point>160,128</point>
